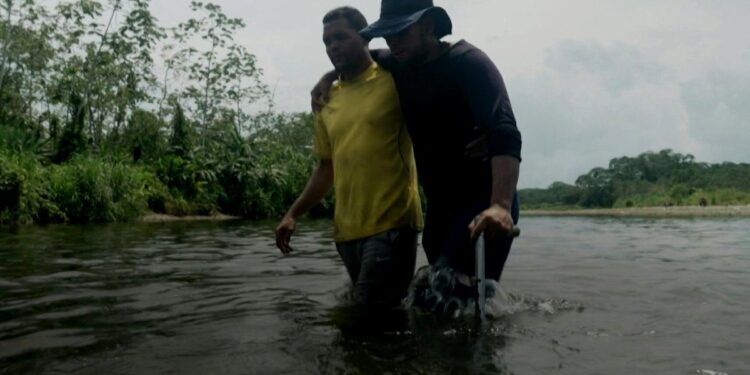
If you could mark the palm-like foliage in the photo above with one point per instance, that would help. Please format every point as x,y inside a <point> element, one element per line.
<point>88,133</point>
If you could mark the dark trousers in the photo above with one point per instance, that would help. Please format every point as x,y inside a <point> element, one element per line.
<point>447,240</point>
<point>381,266</point>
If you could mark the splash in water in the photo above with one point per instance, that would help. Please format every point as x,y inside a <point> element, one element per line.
<point>443,290</point>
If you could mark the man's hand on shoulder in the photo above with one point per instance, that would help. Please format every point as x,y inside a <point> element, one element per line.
<point>320,93</point>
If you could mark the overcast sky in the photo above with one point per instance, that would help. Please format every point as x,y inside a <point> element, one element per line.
<point>589,79</point>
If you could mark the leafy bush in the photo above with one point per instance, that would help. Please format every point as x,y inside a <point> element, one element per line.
<point>25,191</point>
<point>82,190</point>
<point>17,140</point>
<point>90,190</point>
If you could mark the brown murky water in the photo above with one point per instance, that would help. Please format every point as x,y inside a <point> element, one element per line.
<point>588,296</point>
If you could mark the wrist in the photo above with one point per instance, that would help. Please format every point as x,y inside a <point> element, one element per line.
<point>501,205</point>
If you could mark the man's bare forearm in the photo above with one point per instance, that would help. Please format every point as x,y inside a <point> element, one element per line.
<point>505,171</point>
<point>318,186</point>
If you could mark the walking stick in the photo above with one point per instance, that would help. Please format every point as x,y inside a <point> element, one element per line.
<point>480,273</point>
<point>480,269</point>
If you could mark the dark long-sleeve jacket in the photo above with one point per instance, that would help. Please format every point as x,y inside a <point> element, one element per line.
<point>447,104</point>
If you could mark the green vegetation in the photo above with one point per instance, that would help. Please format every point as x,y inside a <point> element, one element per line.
<point>92,129</point>
<point>650,179</point>
<point>88,133</point>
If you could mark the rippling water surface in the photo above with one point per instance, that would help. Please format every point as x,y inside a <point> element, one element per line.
<point>585,296</point>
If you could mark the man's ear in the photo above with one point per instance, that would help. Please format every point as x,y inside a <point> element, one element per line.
<point>427,24</point>
<point>365,41</point>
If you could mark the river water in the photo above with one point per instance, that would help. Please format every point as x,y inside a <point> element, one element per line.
<point>583,296</point>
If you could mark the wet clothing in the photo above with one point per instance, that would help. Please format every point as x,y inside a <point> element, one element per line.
<point>447,242</point>
<point>380,266</point>
<point>362,131</point>
<point>448,103</point>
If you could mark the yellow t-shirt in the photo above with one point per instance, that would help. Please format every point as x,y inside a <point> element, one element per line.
<point>362,131</point>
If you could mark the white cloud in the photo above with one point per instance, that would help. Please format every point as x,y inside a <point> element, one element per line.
<point>718,104</point>
<point>619,67</point>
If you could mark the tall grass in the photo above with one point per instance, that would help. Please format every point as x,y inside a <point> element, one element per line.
<point>257,177</point>
<point>90,190</point>
<point>83,190</point>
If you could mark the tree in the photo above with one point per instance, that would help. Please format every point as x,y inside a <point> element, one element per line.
<point>181,140</point>
<point>564,193</point>
<point>223,77</point>
<point>24,55</point>
<point>143,137</point>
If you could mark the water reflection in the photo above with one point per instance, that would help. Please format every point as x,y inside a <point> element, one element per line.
<point>410,342</point>
<point>202,298</point>
<point>93,299</point>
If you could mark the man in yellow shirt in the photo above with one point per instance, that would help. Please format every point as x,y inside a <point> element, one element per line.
<point>366,155</point>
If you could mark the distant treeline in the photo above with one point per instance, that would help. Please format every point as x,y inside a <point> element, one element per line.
<point>650,179</point>
<point>90,133</point>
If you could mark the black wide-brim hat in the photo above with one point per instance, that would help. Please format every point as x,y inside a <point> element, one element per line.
<point>397,15</point>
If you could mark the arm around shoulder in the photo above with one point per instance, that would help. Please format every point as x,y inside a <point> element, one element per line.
<point>319,95</point>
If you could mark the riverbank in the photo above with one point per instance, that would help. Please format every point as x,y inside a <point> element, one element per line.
<point>655,212</point>
<point>161,218</point>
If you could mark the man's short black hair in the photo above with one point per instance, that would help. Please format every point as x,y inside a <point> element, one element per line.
<point>355,18</point>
